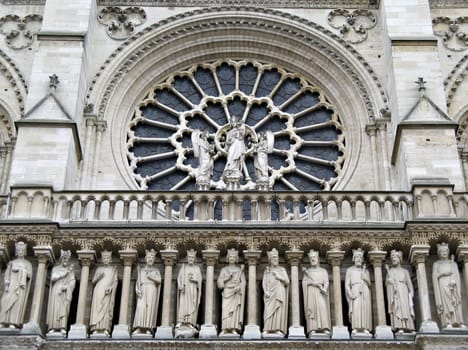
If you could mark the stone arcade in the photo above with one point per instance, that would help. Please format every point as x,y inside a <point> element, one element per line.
<point>233,174</point>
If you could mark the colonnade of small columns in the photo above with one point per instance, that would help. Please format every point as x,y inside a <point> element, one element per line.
<point>251,330</point>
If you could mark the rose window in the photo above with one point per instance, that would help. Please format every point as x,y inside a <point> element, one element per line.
<point>235,125</point>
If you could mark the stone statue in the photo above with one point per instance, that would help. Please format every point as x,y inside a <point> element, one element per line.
<point>316,299</point>
<point>232,282</point>
<point>447,289</point>
<point>102,306</point>
<point>263,147</point>
<point>235,163</point>
<point>147,289</point>
<point>62,281</point>
<point>189,282</point>
<point>204,151</point>
<point>358,294</point>
<point>17,282</point>
<point>400,294</point>
<point>275,297</point>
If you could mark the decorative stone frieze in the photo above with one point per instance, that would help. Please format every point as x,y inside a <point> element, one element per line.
<point>120,22</point>
<point>453,31</point>
<point>353,25</point>
<point>20,31</point>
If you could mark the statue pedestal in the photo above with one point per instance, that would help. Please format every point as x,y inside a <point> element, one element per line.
<point>232,182</point>
<point>31,328</point>
<point>77,331</point>
<point>383,332</point>
<point>99,335</point>
<point>9,331</point>
<point>429,326</point>
<point>405,335</point>
<point>252,331</point>
<point>361,335</point>
<point>232,336</point>
<point>142,336</point>
<point>340,332</point>
<point>296,332</point>
<point>208,331</point>
<point>121,331</point>
<point>319,336</point>
<point>56,335</point>
<point>279,335</point>
<point>164,332</point>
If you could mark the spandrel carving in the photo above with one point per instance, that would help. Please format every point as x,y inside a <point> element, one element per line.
<point>120,23</point>
<point>20,31</point>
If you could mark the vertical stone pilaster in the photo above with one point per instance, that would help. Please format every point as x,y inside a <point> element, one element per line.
<point>252,329</point>
<point>382,330</point>
<point>44,255</point>
<point>122,330</point>
<point>418,256</point>
<point>208,329</point>
<point>79,329</point>
<point>462,254</point>
<point>335,257</point>
<point>164,331</point>
<point>296,330</point>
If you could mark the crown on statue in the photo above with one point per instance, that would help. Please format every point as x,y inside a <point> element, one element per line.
<point>192,253</point>
<point>358,253</point>
<point>312,253</point>
<point>442,246</point>
<point>272,253</point>
<point>151,253</point>
<point>397,253</point>
<point>106,253</point>
<point>65,254</point>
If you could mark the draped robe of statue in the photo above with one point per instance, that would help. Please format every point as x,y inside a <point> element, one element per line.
<point>275,298</point>
<point>233,297</point>
<point>148,286</point>
<point>400,299</point>
<point>261,160</point>
<point>236,149</point>
<point>102,306</point>
<point>316,302</point>
<point>62,285</point>
<point>189,282</point>
<point>358,295</point>
<point>17,283</point>
<point>447,292</point>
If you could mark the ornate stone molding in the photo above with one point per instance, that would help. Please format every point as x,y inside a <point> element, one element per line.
<point>235,22</point>
<point>448,4</point>
<point>455,78</point>
<point>120,23</point>
<point>16,79</point>
<point>453,31</point>
<point>270,3</point>
<point>353,25</point>
<point>20,31</point>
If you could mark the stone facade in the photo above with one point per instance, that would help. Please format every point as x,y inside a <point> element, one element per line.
<point>131,154</point>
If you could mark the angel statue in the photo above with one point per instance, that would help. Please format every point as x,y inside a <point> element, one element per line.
<point>204,151</point>
<point>263,147</point>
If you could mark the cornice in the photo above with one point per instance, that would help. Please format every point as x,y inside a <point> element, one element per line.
<point>441,4</point>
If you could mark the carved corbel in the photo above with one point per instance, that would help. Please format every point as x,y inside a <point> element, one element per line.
<point>20,31</point>
<point>454,32</point>
<point>120,22</point>
<point>353,25</point>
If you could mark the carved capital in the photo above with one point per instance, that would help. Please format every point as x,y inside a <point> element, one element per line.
<point>86,257</point>
<point>128,256</point>
<point>419,253</point>
<point>294,257</point>
<point>251,256</point>
<point>44,254</point>
<point>335,257</point>
<point>169,256</point>
<point>210,256</point>
<point>462,253</point>
<point>377,257</point>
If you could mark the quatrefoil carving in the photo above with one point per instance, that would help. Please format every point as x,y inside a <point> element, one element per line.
<point>454,32</point>
<point>120,22</point>
<point>20,31</point>
<point>353,25</point>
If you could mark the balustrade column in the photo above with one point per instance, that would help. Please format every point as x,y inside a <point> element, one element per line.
<point>164,331</point>
<point>78,330</point>
<point>418,255</point>
<point>335,257</point>
<point>382,330</point>
<point>122,330</point>
<point>296,331</point>
<point>462,253</point>
<point>44,255</point>
<point>252,329</point>
<point>208,329</point>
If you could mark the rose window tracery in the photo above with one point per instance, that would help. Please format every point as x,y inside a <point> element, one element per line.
<point>235,125</point>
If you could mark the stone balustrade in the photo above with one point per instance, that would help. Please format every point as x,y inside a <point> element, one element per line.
<point>314,207</point>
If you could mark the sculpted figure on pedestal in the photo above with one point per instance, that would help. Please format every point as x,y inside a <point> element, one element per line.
<point>62,282</point>
<point>189,282</point>
<point>204,151</point>
<point>316,299</point>
<point>275,297</point>
<point>400,294</point>
<point>231,281</point>
<point>147,289</point>
<point>261,150</point>
<point>235,163</point>
<point>17,282</point>
<point>102,307</point>
<point>447,289</point>
<point>358,294</point>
